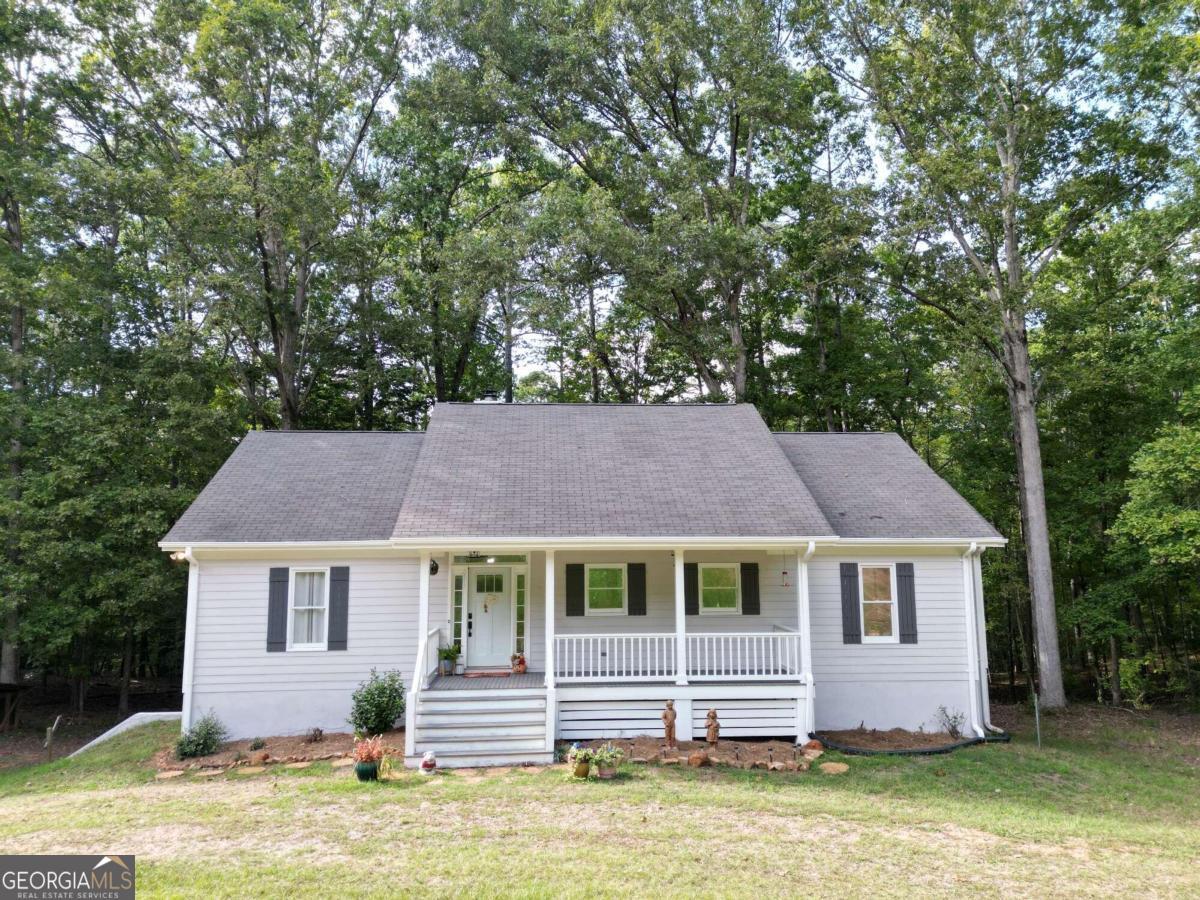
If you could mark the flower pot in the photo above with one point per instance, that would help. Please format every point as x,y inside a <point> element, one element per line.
<point>446,667</point>
<point>459,668</point>
<point>582,769</point>
<point>606,771</point>
<point>519,668</point>
<point>367,771</point>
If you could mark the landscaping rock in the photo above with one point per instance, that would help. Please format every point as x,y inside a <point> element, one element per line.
<point>812,755</point>
<point>343,762</point>
<point>698,759</point>
<point>670,760</point>
<point>834,768</point>
<point>260,758</point>
<point>303,764</point>
<point>777,767</point>
<point>759,764</point>
<point>252,770</point>
<point>813,745</point>
<point>209,773</point>
<point>171,773</point>
<point>640,760</point>
<point>802,765</point>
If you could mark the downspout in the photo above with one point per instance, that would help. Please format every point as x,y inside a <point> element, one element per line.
<point>189,637</point>
<point>981,637</point>
<point>805,624</point>
<point>972,636</point>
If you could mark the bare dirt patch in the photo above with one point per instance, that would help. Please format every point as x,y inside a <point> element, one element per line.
<point>281,749</point>
<point>744,754</point>
<point>893,739</point>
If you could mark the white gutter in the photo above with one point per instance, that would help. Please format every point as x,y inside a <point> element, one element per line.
<point>972,636</point>
<point>583,543</point>
<point>189,637</point>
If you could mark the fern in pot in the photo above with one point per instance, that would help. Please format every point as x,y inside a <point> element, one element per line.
<point>607,759</point>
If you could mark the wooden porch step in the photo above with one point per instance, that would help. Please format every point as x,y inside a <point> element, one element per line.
<point>453,760</point>
<point>480,718</point>
<point>482,744</point>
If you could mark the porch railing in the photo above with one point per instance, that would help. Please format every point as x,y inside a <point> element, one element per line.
<point>750,656</point>
<point>614,657</point>
<point>753,656</point>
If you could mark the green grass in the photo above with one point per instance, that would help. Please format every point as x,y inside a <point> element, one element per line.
<point>1110,805</point>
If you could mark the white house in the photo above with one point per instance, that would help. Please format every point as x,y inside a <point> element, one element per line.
<point>792,581</point>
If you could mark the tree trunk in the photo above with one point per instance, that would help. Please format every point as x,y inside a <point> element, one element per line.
<point>10,652</point>
<point>1114,669</point>
<point>509,375</point>
<point>591,295</point>
<point>126,675</point>
<point>1033,511</point>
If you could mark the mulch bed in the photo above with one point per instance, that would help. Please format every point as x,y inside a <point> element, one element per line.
<point>893,739</point>
<point>285,749</point>
<point>745,754</point>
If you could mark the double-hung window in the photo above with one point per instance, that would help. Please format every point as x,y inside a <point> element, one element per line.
<point>607,590</point>
<point>720,589</point>
<point>308,610</point>
<point>878,593</point>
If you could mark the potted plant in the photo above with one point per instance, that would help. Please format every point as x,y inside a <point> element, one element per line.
<point>581,759</point>
<point>368,752</point>
<point>448,657</point>
<point>607,759</point>
<point>518,663</point>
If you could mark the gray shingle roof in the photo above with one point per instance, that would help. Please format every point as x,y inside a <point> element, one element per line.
<point>304,486</point>
<point>564,470</point>
<point>875,486</point>
<point>551,470</point>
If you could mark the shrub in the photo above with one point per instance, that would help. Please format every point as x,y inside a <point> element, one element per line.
<point>378,703</point>
<point>203,738</point>
<point>257,744</point>
<point>951,722</point>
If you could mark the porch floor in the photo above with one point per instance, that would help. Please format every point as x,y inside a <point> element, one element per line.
<point>488,683</point>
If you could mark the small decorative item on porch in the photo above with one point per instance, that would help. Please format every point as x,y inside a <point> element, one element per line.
<point>581,759</point>
<point>428,763</point>
<point>368,752</point>
<point>712,728</point>
<point>448,656</point>
<point>668,720</point>
<point>518,664</point>
<point>607,759</point>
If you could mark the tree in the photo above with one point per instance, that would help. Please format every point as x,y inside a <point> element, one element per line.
<point>997,118</point>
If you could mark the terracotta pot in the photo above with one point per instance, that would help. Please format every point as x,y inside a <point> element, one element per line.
<point>582,769</point>
<point>520,668</point>
<point>367,771</point>
<point>606,771</point>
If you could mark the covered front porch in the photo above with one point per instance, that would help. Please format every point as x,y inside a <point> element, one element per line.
<point>608,633</point>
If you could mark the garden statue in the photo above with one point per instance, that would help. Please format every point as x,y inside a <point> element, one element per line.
<point>712,727</point>
<point>428,763</point>
<point>668,719</point>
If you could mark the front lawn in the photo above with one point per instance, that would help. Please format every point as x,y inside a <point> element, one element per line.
<point>1110,805</point>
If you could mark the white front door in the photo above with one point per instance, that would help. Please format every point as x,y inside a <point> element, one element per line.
<point>489,618</point>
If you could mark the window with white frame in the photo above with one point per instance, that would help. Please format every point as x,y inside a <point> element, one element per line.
<point>606,589</point>
<point>308,610</point>
<point>720,589</point>
<point>878,593</point>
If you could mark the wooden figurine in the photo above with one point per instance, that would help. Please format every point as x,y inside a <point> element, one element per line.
<point>712,728</point>
<point>668,720</point>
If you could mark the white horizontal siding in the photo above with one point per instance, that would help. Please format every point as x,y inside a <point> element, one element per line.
<point>292,691</point>
<point>890,685</point>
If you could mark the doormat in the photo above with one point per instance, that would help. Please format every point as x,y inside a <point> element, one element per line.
<point>499,673</point>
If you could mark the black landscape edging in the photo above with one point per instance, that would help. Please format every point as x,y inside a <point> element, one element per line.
<point>1002,737</point>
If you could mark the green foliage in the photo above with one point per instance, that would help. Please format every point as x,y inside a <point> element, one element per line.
<point>203,739</point>
<point>377,703</point>
<point>257,744</point>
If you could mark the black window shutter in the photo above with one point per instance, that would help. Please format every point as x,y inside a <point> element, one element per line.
<point>751,606</point>
<point>907,589</point>
<point>851,620</point>
<point>339,606</point>
<point>575,589</point>
<point>637,588</point>
<point>277,600</point>
<point>691,589</point>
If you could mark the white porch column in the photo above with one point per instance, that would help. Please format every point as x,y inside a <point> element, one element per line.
<point>189,637</point>
<point>968,567</point>
<point>806,722</point>
<point>423,598</point>
<point>418,682</point>
<point>551,691</point>
<point>549,606</point>
<point>680,622</point>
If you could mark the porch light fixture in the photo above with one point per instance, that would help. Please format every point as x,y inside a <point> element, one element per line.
<point>433,567</point>
<point>491,560</point>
